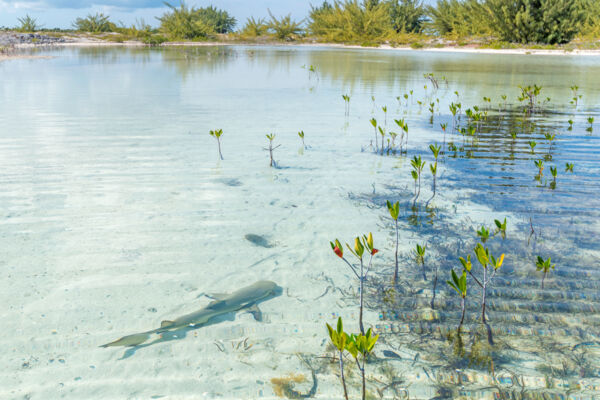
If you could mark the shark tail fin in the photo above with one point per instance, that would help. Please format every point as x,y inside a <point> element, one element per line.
<point>130,340</point>
<point>166,323</point>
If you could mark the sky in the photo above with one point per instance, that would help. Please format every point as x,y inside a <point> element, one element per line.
<point>62,13</point>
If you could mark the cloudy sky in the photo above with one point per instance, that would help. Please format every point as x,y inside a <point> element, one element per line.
<point>61,13</point>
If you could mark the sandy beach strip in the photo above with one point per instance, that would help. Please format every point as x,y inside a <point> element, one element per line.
<point>78,41</point>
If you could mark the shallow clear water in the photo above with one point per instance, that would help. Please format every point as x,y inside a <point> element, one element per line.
<point>116,214</point>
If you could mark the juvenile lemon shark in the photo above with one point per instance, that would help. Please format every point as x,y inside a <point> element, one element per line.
<point>246,298</point>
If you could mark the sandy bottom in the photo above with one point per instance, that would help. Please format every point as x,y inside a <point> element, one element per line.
<point>115,218</point>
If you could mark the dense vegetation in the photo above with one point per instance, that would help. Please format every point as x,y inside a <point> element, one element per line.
<point>518,21</point>
<point>182,22</point>
<point>371,20</point>
<point>375,21</point>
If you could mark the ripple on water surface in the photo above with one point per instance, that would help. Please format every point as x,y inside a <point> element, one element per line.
<point>116,214</point>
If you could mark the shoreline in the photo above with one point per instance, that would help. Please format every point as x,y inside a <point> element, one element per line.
<point>70,41</point>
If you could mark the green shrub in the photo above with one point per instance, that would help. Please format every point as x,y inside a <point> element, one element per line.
<point>408,16</point>
<point>183,23</point>
<point>284,27</point>
<point>220,21</point>
<point>94,23</point>
<point>28,24</point>
<point>516,21</point>
<point>591,26</point>
<point>458,18</point>
<point>192,23</point>
<point>351,21</point>
<point>254,27</point>
<point>537,21</point>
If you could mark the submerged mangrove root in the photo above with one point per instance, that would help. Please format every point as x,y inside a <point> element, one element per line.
<point>342,375</point>
<point>462,317</point>
<point>489,334</point>
<point>435,279</point>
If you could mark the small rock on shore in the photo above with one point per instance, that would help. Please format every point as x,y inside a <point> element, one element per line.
<point>15,38</point>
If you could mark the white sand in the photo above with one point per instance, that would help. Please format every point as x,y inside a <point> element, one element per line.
<point>84,41</point>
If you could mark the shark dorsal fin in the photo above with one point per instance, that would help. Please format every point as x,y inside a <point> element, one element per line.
<point>166,323</point>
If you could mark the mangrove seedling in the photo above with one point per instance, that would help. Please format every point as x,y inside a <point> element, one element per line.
<point>432,79</point>
<point>569,167</point>
<point>513,135</point>
<point>532,144</point>
<point>460,285</point>
<point>217,135</point>
<point>362,345</point>
<point>435,149</point>
<point>576,96</point>
<point>339,339</point>
<point>591,122</point>
<point>346,103</point>
<point>452,147</point>
<point>394,210</point>
<point>361,271</point>
<point>384,109</point>
<point>454,110</point>
<point>393,135</point>
<point>554,172</point>
<point>570,124</point>
<point>530,94</point>
<point>484,234</point>
<point>471,130</point>
<point>540,166</point>
<point>374,124</point>
<point>500,228</point>
<point>301,135</point>
<point>544,265</point>
<point>271,137</point>
<point>419,254</point>
<point>404,126</point>
<point>486,259</point>
<point>418,164</point>
<point>382,133</point>
<point>444,126</point>
<point>550,138</point>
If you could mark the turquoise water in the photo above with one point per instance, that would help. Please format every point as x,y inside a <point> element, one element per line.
<point>116,213</point>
